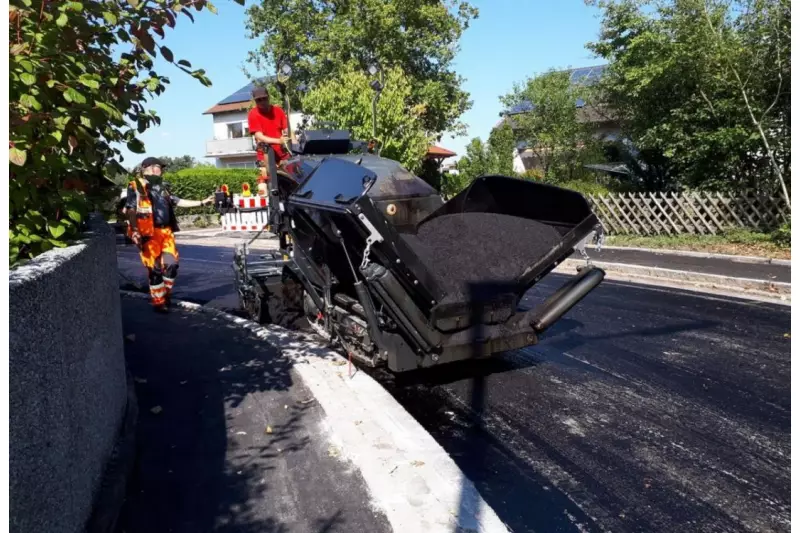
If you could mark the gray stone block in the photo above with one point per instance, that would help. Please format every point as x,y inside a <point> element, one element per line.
<point>67,381</point>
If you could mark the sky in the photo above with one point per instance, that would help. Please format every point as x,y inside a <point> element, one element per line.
<point>510,41</point>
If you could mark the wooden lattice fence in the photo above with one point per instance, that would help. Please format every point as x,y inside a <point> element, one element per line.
<point>697,213</point>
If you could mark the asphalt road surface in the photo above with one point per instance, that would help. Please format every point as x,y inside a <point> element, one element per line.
<point>644,409</point>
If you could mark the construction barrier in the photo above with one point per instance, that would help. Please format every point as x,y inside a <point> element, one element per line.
<point>244,220</point>
<point>250,202</point>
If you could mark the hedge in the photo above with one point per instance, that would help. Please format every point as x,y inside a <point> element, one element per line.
<point>200,182</point>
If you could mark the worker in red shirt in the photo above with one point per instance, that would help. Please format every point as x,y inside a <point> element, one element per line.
<point>268,126</point>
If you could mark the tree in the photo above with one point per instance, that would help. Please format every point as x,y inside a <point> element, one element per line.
<point>551,128</point>
<point>482,159</point>
<point>703,87</point>
<point>477,161</point>
<point>174,164</point>
<point>322,38</point>
<point>502,142</point>
<point>80,74</point>
<point>346,101</point>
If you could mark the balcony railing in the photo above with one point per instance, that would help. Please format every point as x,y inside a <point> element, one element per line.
<point>222,147</point>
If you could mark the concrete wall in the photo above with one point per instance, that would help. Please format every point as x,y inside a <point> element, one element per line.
<point>67,382</point>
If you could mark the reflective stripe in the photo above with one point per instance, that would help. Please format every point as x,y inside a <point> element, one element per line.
<point>159,290</point>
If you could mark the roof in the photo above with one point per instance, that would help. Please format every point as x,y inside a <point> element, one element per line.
<point>227,108</point>
<point>240,99</point>
<point>438,151</point>
<point>611,168</point>
<point>577,76</point>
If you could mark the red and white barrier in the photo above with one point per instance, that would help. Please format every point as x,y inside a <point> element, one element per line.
<point>245,221</point>
<point>250,202</point>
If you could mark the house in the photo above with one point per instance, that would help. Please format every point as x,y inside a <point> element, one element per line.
<point>232,146</point>
<point>603,125</point>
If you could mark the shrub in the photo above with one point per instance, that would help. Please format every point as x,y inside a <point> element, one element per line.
<point>783,235</point>
<point>585,187</point>
<point>80,76</point>
<point>199,182</point>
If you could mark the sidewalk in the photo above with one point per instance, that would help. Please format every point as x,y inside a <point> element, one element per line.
<point>745,277</point>
<point>229,438</point>
<point>717,265</point>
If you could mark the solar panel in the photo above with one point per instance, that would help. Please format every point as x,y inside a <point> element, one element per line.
<point>243,94</point>
<point>522,107</point>
<point>582,75</point>
<point>587,74</point>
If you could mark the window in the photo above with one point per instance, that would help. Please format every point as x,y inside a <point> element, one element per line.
<point>235,130</point>
<point>243,164</point>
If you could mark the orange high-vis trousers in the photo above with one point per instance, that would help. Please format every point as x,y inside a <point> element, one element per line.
<point>160,256</point>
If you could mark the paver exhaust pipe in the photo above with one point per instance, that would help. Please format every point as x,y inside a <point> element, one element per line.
<point>566,297</point>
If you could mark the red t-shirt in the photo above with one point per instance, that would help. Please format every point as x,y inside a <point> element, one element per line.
<point>270,124</point>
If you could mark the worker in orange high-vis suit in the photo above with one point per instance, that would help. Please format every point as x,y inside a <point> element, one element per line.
<point>150,210</point>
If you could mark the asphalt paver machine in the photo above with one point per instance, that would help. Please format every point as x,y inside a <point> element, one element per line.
<point>377,262</point>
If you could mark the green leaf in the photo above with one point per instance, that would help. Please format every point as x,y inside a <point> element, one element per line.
<point>89,81</point>
<point>17,156</point>
<point>71,95</point>
<point>109,110</point>
<point>27,65</point>
<point>167,53</point>
<point>56,229</point>
<point>185,63</point>
<point>109,17</point>
<point>74,6</point>
<point>136,146</point>
<point>62,19</point>
<point>57,243</point>
<point>29,101</point>
<point>86,121</point>
<point>133,3</point>
<point>56,135</point>
<point>27,79</point>
<point>74,215</point>
<point>211,7</point>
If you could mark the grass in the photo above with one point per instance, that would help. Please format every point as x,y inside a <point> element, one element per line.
<point>736,242</point>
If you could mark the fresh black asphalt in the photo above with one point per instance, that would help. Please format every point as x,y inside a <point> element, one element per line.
<point>644,409</point>
<point>229,439</point>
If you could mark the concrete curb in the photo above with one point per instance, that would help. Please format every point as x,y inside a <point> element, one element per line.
<point>410,476</point>
<point>762,290</point>
<point>113,486</point>
<point>704,255</point>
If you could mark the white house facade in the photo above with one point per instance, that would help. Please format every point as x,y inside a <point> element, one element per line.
<point>231,145</point>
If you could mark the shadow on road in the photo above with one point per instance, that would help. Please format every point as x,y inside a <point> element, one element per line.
<point>228,439</point>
